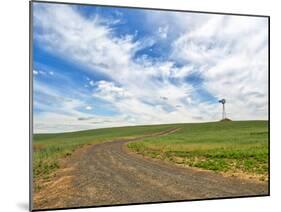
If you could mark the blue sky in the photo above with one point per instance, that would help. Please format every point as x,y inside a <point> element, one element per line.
<point>103,67</point>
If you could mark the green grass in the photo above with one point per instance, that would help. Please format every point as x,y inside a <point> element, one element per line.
<point>48,149</point>
<point>227,146</point>
<point>233,147</point>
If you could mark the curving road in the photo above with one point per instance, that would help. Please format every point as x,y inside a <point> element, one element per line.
<point>107,173</point>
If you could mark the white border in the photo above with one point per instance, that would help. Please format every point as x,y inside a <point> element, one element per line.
<point>15,104</point>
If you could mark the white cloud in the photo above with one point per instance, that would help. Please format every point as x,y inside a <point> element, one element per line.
<point>60,113</point>
<point>42,72</point>
<point>65,31</point>
<point>109,91</point>
<point>88,107</point>
<point>163,32</point>
<point>91,82</point>
<point>50,99</point>
<point>229,53</point>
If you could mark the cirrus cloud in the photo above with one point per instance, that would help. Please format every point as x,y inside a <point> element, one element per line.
<point>208,57</point>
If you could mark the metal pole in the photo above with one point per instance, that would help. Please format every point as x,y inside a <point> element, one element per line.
<point>223,112</point>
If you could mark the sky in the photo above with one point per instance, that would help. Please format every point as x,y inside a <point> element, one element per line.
<point>98,67</point>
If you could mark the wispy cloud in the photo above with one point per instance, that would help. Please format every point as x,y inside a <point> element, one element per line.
<point>209,56</point>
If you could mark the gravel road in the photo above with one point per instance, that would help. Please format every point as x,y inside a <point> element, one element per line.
<point>107,173</point>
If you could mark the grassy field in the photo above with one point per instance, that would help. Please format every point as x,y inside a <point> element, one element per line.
<point>233,147</point>
<point>236,147</point>
<point>48,149</point>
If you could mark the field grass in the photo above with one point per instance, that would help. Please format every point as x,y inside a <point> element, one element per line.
<point>236,147</point>
<point>48,149</point>
<point>220,146</point>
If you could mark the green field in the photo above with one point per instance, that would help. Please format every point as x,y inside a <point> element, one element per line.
<point>218,146</point>
<point>49,148</point>
<point>239,147</point>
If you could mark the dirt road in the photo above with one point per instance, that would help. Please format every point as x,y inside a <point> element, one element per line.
<point>107,174</point>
